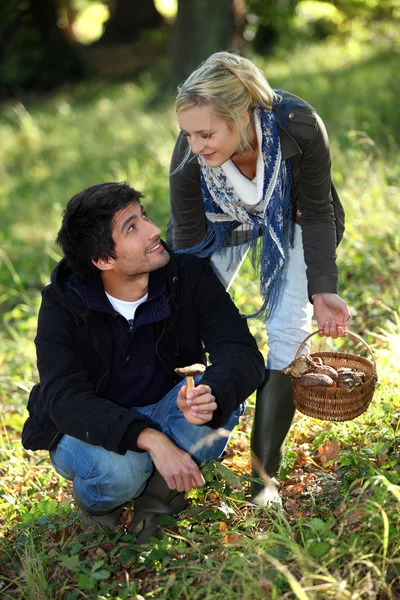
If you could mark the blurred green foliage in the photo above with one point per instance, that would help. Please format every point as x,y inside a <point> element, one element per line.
<point>41,40</point>
<point>284,24</point>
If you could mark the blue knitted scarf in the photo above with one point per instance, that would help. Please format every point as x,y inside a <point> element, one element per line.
<point>270,227</point>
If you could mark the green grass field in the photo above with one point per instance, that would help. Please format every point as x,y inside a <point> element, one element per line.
<point>339,534</point>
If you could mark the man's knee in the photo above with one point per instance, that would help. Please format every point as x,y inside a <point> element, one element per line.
<point>113,479</point>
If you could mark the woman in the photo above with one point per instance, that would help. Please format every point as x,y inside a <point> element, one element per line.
<point>251,167</point>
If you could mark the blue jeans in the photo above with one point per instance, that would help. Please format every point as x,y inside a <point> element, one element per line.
<point>104,480</point>
<point>290,323</point>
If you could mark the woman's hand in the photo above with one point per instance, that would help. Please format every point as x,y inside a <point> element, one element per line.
<point>332,314</point>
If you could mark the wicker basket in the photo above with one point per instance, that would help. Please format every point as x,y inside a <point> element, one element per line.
<point>336,404</point>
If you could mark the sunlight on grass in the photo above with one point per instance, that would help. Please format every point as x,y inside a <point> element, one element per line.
<point>388,350</point>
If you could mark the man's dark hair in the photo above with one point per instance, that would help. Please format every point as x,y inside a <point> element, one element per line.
<point>87,225</point>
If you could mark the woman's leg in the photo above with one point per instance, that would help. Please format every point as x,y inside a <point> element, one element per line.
<point>290,322</point>
<point>227,263</point>
<point>102,480</point>
<point>289,325</point>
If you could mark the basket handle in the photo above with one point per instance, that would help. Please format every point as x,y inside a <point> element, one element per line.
<point>355,335</point>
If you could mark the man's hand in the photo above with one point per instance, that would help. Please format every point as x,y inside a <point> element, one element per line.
<point>176,466</point>
<point>332,315</point>
<point>198,406</point>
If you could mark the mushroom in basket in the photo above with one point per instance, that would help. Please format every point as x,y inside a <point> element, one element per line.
<point>311,371</point>
<point>349,378</point>
<point>299,366</point>
<point>305,365</point>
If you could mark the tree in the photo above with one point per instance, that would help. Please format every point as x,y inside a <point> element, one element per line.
<point>273,22</point>
<point>128,19</point>
<point>135,37</point>
<point>37,54</point>
<point>34,52</point>
<point>201,28</point>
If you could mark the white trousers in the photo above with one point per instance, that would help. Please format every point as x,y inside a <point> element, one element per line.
<point>290,322</point>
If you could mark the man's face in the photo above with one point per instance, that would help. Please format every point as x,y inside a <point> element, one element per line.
<point>138,247</point>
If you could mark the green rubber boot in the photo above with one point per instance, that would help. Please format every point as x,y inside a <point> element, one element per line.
<point>273,417</point>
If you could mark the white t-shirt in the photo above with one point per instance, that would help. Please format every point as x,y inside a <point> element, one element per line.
<point>126,309</point>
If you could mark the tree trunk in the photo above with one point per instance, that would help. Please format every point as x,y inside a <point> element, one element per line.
<point>134,38</point>
<point>34,51</point>
<point>128,19</point>
<point>201,28</point>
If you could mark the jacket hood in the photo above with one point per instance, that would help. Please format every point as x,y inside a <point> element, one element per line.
<point>67,287</point>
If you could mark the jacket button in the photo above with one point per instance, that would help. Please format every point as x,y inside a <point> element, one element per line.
<point>298,213</point>
<point>291,115</point>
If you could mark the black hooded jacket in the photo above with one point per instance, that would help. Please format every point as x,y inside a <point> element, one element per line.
<point>74,357</point>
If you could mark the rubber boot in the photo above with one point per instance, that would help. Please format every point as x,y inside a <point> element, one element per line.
<point>273,417</point>
<point>152,502</point>
<point>91,516</point>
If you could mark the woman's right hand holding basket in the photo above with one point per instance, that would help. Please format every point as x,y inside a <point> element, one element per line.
<point>332,315</point>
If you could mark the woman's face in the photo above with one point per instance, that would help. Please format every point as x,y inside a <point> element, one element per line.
<point>210,136</point>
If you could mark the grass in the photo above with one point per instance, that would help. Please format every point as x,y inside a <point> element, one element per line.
<point>338,537</point>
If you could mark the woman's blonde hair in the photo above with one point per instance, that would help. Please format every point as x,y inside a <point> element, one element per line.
<point>228,85</point>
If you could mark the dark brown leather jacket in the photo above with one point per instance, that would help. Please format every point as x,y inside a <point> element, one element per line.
<point>317,207</point>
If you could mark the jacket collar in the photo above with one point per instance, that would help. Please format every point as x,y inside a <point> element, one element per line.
<point>96,298</point>
<point>171,274</point>
<point>65,283</point>
<point>289,146</point>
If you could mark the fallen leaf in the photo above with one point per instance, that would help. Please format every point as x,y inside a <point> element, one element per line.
<point>301,459</point>
<point>126,518</point>
<point>356,515</point>
<point>381,459</point>
<point>296,489</point>
<point>329,451</point>
<point>291,506</point>
<point>233,538</point>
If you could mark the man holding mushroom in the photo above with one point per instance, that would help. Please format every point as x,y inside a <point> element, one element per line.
<point>121,316</point>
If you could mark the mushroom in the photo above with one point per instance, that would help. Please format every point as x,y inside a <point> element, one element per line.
<point>350,380</point>
<point>343,370</point>
<point>299,366</point>
<point>311,379</point>
<point>190,372</point>
<point>327,370</point>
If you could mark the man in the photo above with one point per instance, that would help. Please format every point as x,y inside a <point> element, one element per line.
<point>120,315</point>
